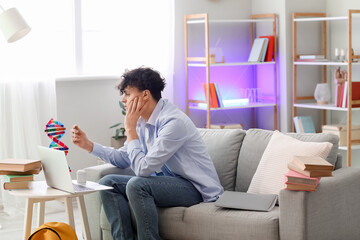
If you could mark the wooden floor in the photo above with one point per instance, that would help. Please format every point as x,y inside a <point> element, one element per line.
<point>12,219</point>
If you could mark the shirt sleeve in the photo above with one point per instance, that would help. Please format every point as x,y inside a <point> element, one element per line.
<point>117,157</point>
<point>171,135</point>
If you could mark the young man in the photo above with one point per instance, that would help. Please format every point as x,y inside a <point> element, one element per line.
<point>166,153</point>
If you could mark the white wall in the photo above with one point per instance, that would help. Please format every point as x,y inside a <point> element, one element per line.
<point>91,103</point>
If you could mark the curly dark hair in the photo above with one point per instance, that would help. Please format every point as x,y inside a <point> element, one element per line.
<point>143,78</point>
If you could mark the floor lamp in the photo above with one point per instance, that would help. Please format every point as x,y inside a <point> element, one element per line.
<point>13,27</point>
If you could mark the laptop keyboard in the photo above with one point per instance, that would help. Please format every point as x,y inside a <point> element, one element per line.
<point>80,188</point>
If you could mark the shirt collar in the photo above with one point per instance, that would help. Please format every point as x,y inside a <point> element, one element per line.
<point>154,115</point>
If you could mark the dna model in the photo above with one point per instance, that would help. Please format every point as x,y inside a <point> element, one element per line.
<point>55,130</point>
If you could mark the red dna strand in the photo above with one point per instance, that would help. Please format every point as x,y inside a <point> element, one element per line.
<point>55,130</point>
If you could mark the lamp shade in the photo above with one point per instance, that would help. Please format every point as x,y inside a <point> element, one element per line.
<point>13,25</point>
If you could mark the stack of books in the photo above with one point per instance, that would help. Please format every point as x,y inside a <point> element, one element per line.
<point>262,49</point>
<point>305,173</point>
<point>215,96</point>
<point>19,172</point>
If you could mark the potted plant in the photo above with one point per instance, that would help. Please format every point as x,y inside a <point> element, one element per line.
<point>119,138</point>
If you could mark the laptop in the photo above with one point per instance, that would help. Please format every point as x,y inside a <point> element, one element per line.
<point>57,174</point>
<point>247,201</point>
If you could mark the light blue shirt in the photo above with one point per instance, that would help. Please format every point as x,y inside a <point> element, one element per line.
<point>177,149</point>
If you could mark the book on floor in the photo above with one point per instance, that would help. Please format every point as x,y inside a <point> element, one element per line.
<point>19,165</point>
<point>18,178</point>
<point>33,171</point>
<point>293,177</point>
<point>312,163</point>
<point>313,173</point>
<point>16,185</point>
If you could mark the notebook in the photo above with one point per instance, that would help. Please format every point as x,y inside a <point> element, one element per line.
<point>247,201</point>
<point>57,173</point>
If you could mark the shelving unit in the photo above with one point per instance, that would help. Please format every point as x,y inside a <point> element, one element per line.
<point>298,101</point>
<point>204,62</point>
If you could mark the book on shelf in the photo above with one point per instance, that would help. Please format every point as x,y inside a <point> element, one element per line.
<point>257,49</point>
<point>270,48</point>
<point>213,99</point>
<point>33,171</point>
<point>337,97</point>
<point>293,177</point>
<point>17,185</point>
<point>218,95</point>
<point>355,93</point>
<point>312,173</point>
<point>226,126</point>
<point>312,163</point>
<point>311,57</point>
<point>300,187</point>
<point>304,124</point>
<point>19,165</point>
<point>344,94</point>
<point>213,95</point>
<point>18,178</point>
<point>263,52</point>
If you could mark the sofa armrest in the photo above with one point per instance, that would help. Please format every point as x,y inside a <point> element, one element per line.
<point>331,212</point>
<point>93,201</point>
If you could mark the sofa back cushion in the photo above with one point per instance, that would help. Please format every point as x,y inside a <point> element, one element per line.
<point>254,145</point>
<point>223,146</point>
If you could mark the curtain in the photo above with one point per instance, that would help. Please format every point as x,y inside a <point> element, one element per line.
<point>27,88</point>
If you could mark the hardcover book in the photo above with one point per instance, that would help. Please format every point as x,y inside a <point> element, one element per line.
<point>312,173</point>
<point>18,178</point>
<point>33,171</point>
<point>270,48</point>
<point>19,165</point>
<point>16,185</point>
<point>293,177</point>
<point>300,187</point>
<point>312,163</point>
<point>256,50</point>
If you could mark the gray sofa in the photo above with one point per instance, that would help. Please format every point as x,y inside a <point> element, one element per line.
<point>332,212</point>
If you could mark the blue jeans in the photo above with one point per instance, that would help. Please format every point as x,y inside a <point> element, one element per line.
<point>144,194</point>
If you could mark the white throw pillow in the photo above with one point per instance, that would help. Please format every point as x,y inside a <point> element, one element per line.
<point>269,175</point>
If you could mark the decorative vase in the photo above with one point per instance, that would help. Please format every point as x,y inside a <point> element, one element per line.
<point>322,93</point>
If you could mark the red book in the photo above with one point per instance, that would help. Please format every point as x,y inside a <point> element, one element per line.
<point>270,49</point>
<point>355,93</point>
<point>212,104</point>
<point>213,95</point>
<point>292,177</point>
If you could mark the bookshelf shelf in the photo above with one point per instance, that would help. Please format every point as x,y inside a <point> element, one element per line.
<point>317,19</point>
<point>251,105</point>
<point>230,64</point>
<point>209,80</point>
<point>323,107</point>
<point>199,21</point>
<point>297,18</point>
<point>322,63</point>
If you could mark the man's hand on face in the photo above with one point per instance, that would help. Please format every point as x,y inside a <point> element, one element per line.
<point>133,112</point>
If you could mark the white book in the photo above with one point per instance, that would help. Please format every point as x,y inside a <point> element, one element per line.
<point>218,94</point>
<point>263,54</point>
<point>256,50</point>
<point>345,94</point>
<point>311,57</point>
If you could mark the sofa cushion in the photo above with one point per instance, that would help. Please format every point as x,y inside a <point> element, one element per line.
<point>223,146</point>
<point>269,175</point>
<point>254,145</point>
<point>205,221</point>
